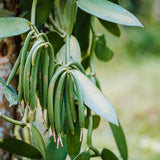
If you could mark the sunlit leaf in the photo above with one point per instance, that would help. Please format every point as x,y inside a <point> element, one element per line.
<point>95,99</point>
<point>108,155</point>
<point>13,26</point>
<point>19,147</point>
<point>109,11</point>
<point>120,140</point>
<point>53,153</point>
<point>10,93</point>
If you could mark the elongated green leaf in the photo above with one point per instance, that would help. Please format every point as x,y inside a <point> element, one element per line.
<point>25,5</point>
<point>63,14</point>
<point>13,26</point>
<point>96,121</point>
<point>56,40</point>
<point>10,93</point>
<point>38,139</point>
<point>19,147</point>
<point>108,11</point>
<point>75,52</point>
<point>83,156</point>
<point>102,52</point>
<point>6,13</point>
<point>111,27</point>
<point>53,153</point>
<point>108,155</point>
<point>120,140</point>
<point>95,99</point>
<point>73,141</point>
<point>43,11</point>
<point>82,19</point>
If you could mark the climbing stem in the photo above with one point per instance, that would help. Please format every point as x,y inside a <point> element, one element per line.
<point>15,122</point>
<point>67,55</point>
<point>91,61</point>
<point>95,150</point>
<point>90,127</point>
<point>33,11</point>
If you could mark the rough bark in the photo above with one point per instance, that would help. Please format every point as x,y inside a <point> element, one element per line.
<point>8,54</point>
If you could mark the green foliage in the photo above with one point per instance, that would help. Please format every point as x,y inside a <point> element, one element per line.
<point>10,93</point>
<point>13,26</point>
<point>96,121</point>
<point>102,52</point>
<point>50,65</point>
<point>73,141</point>
<point>109,12</point>
<point>83,156</point>
<point>96,102</point>
<point>108,155</point>
<point>19,147</point>
<point>120,140</point>
<point>53,153</point>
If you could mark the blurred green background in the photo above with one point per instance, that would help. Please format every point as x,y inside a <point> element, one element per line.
<point>131,82</point>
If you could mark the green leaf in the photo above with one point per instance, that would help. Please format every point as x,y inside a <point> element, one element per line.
<point>19,147</point>
<point>6,13</point>
<point>96,121</point>
<point>83,156</point>
<point>75,52</point>
<point>25,5</point>
<point>53,153</point>
<point>73,141</point>
<point>111,27</point>
<point>43,11</point>
<point>82,19</point>
<point>37,138</point>
<point>13,26</point>
<point>10,93</point>
<point>63,14</point>
<point>109,11</point>
<point>108,155</point>
<point>120,140</point>
<point>95,99</point>
<point>102,52</point>
<point>56,40</point>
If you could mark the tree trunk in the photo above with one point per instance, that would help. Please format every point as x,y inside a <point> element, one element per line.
<point>9,48</point>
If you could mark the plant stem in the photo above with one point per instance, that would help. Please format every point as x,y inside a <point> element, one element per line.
<point>33,11</point>
<point>55,26</point>
<point>95,150</point>
<point>67,55</point>
<point>91,61</point>
<point>15,122</point>
<point>89,134</point>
